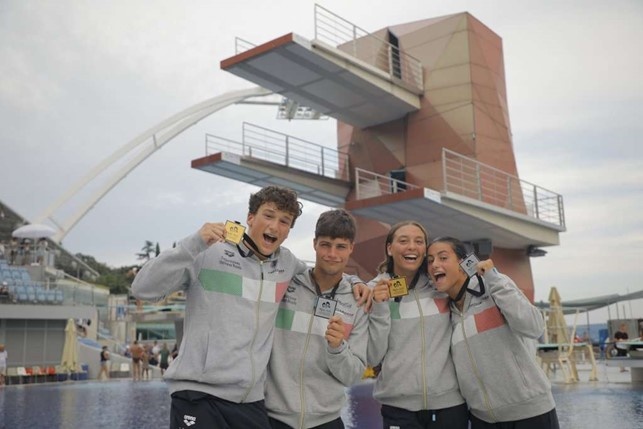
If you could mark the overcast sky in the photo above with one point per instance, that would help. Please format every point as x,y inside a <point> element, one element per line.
<point>80,79</point>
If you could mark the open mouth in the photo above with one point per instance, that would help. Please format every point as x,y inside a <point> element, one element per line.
<point>439,276</point>
<point>270,238</point>
<point>410,258</point>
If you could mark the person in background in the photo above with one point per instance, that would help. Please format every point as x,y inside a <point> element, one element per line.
<point>137,355</point>
<point>154,353</point>
<point>321,335</point>
<point>619,336</point>
<point>409,335</point>
<point>492,321</point>
<point>163,358</point>
<point>3,364</point>
<point>233,290</point>
<point>145,362</point>
<point>41,252</point>
<point>104,363</point>
<point>14,248</point>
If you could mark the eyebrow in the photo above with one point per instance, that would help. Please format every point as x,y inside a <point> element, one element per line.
<point>441,252</point>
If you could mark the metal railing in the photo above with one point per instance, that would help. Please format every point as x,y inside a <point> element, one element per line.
<point>347,37</point>
<point>241,45</point>
<point>467,177</point>
<point>370,185</point>
<point>473,179</point>
<point>283,149</point>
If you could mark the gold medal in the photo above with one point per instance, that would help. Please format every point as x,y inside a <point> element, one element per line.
<point>234,232</point>
<point>397,287</point>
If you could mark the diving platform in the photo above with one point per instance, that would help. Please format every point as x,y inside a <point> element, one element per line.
<point>332,81</point>
<point>311,187</point>
<point>448,216</point>
<point>508,224</point>
<point>267,157</point>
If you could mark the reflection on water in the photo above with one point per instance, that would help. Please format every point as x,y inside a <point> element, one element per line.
<point>606,406</point>
<point>117,404</point>
<point>124,404</point>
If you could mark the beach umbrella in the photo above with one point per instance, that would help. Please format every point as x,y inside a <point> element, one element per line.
<point>69,359</point>
<point>34,230</point>
<point>556,323</point>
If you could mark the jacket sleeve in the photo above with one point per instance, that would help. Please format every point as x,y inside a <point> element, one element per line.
<point>521,315</point>
<point>348,362</point>
<point>300,266</point>
<point>173,270</point>
<point>379,327</point>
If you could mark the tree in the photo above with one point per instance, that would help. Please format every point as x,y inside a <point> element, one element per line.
<point>158,249</point>
<point>146,251</point>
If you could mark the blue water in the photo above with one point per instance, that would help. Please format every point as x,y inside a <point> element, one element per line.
<point>125,404</point>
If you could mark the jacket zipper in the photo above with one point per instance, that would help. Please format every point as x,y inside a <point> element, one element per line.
<point>254,336</point>
<point>302,394</point>
<point>423,348</point>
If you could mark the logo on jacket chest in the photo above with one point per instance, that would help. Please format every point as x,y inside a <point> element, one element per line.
<point>346,309</point>
<point>274,269</point>
<point>289,296</point>
<point>481,300</point>
<point>223,260</point>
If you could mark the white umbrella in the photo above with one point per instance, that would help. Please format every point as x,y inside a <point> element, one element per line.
<point>69,359</point>
<point>34,230</point>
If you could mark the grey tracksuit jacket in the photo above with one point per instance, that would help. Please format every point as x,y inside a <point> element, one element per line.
<point>306,377</point>
<point>411,340</point>
<point>497,369</point>
<point>231,305</point>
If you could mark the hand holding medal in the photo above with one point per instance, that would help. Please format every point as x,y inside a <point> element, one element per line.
<point>380,291</point>
<point>335,331</point>
<point>212,233</point>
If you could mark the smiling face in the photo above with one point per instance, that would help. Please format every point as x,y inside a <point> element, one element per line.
<point>407,250</point>
<point>332,255</point>
<point>444,268</point>
<point>269,227</point>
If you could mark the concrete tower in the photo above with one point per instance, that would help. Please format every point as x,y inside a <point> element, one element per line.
<point>423,134</point>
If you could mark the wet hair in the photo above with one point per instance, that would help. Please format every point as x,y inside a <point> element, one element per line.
<point>285,199</point>
<point>336,224</point>
<point>386,266</point>
<point>458,246</point>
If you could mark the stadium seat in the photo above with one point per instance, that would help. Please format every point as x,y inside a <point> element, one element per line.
<point>23,373</point>
<point>60,297</point>
<point>38,374</point>
<point>21,292</point>
<point>51,373</point>
<point>61,373</point>
<point>12,375</point>
<point>41,295</point>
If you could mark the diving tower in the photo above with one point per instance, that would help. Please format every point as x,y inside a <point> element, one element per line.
<point>423,133</point>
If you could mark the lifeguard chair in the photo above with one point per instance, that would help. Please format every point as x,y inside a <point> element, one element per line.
<point>559,347</point>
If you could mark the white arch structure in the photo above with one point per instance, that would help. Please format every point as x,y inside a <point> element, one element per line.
<point>160,135</point>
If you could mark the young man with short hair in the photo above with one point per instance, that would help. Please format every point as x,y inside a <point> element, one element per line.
<point>321,336</point>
